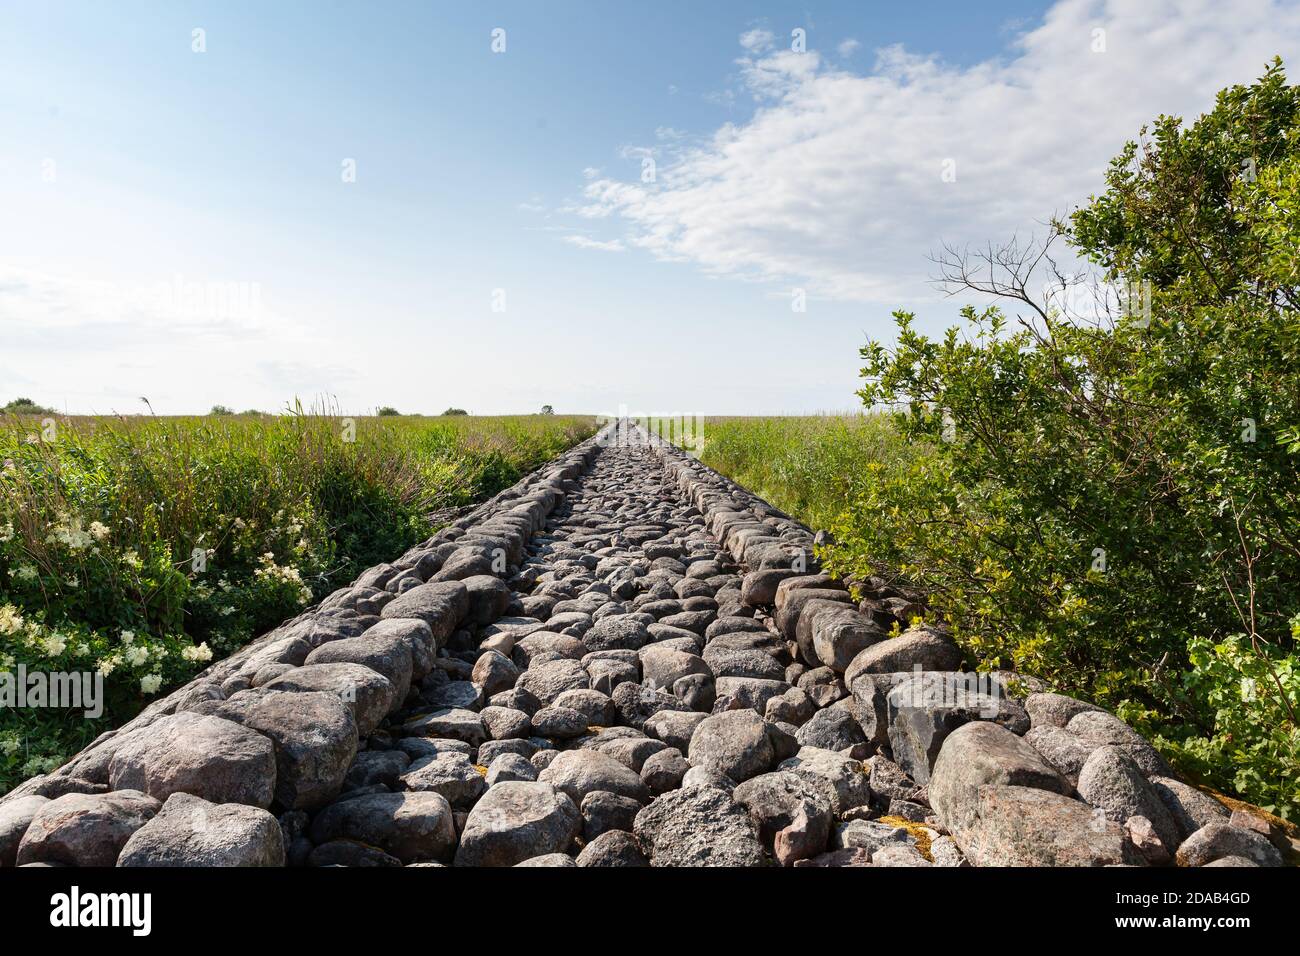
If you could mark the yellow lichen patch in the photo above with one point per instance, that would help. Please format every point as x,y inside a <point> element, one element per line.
<point>1232,803</point>
<point>919,832</point>
<point>594,730</point>
<point>481,769</point>
<point>1289,845</point>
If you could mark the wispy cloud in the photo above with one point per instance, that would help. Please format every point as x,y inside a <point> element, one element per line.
<point>585,242</point>
<point>838,181</point>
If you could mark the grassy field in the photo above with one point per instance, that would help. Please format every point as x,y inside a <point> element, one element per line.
<point>144,547</point>
<point>811,466</point>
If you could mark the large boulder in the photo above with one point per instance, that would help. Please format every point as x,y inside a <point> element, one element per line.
<point>917,647</point>
<point>85,829</point>
<point>549,679</point>
<point>979,754</point>
<point>450,722</point>
<point>793,816</point>
<point>1097,728</point>
<point>415,826</point>
<point>1112,782</point>
<point>580,772</point>
<point>1026,826</point>
<point>191,831</point>
<point>661,667</point>
<point>488,599</point>
<point>734,743</point>
<point>16,816</point>
<point>315,740</point>
<point>698,826</point>
<point>387,653</point>
<point>845,781</point>
<point>369,695</point>
<point>1190,808</point>
<point>1218,840</point>
<point>515,821</point>
<point>442,605</point>
<point>450,774</point>
<point>215,759</point>
<point>840,634</point>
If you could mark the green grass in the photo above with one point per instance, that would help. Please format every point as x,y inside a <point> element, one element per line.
<point>809,466</point>
<point>145,547</point>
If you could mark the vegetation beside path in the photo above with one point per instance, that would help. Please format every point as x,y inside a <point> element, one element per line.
<point>142,548</point>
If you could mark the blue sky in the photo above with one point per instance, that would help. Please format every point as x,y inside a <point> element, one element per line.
<point>132,167</point>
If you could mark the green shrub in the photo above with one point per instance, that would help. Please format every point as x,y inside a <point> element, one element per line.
<point>1113,500</point>
<point>144,548</point>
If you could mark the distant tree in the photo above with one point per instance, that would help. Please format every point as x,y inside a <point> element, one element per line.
<point>221,410</point>
<point>547,410</point>
<point>253,411</point>
<point>455,411</point>
<point>25,406</point>
<point>386,410</point>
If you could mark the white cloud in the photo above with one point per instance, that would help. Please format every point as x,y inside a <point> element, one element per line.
<point>583,242</point>
<point>835,182</point>
<point>848,47</point>
<point>757,40</point>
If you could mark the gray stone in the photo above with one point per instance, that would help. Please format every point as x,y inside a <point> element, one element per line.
<point>457,724</point>
<point>734,743</point>
<point>596,708</point>
<point>559,723</point>
<point>1112,782</point>
<point>414,826</point>
<point>550,679</point>
<point>215,759</point>
<point>580,772</point>
<point>368,694</point>
<point>1190,808</point>
<point>1054,710</point>
<point>1217,840</point>
<point>191,831</point>
<point>508,768</point>
<point>844,780</point>
<point>494,673</point>
<point>15,816</point>
<point>613,848</point>
<point>674,727</point>
<point>441,605</point>
<point>793,815</point>
<point>503,723</point>
<point>603,811</point>
<point>82,829</point>
<point>450,774</point>
<point>835,728</point>
<point>315,738</point>
<point>516,821</point>
<point>921,647</point>
<point>663,771</point>
<point>376,766</point>
<point>1096,728</point>
<point>698,827</point>
<point>1065,752</point>
<point>549,859</point>
<point>977,754</point>
<point>388,654</point>
<point>1026,826</point>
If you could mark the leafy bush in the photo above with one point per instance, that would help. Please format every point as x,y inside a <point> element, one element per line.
<point>1113,501</point>
<point>142,549</point>
<point>1103,490</point>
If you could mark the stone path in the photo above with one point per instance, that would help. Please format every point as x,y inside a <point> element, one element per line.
<point>624,660</point>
